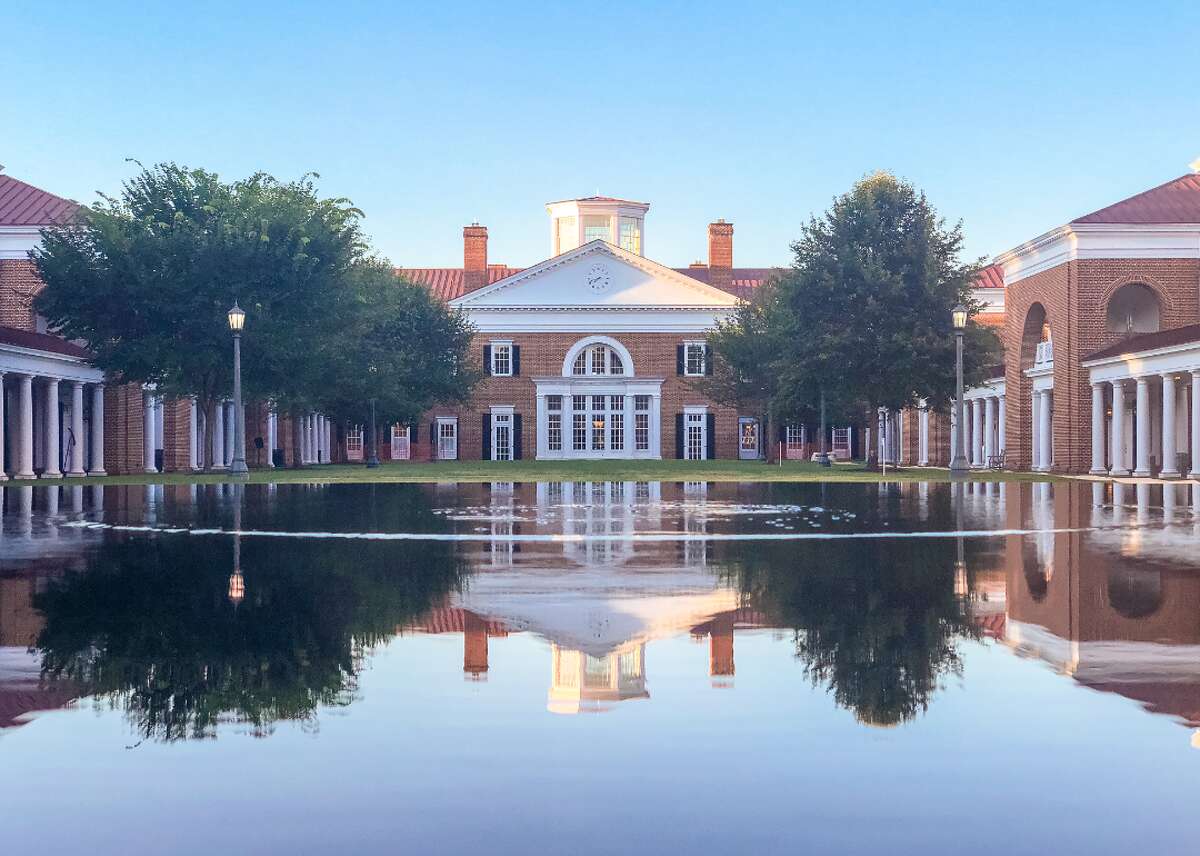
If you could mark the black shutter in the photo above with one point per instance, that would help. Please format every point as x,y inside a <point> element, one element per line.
<point>487,437</point>
<point>679,359</point>
<point>679,434</point>
<point>516,440</point>
<point>516,360</point>
<point>708,359</point>
<point>710,436</point>
<point>782,432</point>
<point>487,359</point>
<point>456,433</point>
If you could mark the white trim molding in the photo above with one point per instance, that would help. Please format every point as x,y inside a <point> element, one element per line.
<point>1100,241</point>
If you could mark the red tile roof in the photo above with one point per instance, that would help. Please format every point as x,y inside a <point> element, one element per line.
<point>991,276</point>
<point>23,204</point>
<point>447,283</point>
<point>597,199</point>
<point>42,342</point>
<point>1149,342</point>
<point>1177,201</point>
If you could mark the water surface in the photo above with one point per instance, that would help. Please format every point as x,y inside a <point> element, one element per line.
<point>600,667</point>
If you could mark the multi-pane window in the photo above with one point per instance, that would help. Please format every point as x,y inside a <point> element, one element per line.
<point>694,354</point>
<point>631,235</point>
<point>502,437</point>
<point>694,436</point>
<point>566,233</point>
<point>795,437</point>
<point>596,227</point>
<point>554,423</point>
<point>354,441</point>
<point>501,358</point>
<point>598,421</point>
<point>447,435</point>
<point>641,423</point>
<point>598,360</point>
<point>616,422</point>
<point>579,426</point>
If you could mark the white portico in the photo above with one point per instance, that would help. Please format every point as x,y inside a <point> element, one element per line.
<point>1145,410</point>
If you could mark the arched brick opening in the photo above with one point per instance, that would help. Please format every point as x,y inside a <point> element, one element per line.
<point>1134,593</point>
<point>1035,331</point>
<point>1133,308</point>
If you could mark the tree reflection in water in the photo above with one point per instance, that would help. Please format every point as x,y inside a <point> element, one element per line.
<point>877,622</point>
<point>149,626</point>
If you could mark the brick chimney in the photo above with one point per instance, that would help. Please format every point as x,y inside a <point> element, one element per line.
<point>720,254</point>
<point>475,273</point>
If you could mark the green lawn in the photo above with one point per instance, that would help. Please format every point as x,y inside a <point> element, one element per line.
<point>526,471</point>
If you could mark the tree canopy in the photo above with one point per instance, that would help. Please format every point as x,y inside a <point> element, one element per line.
<point>863,313</point>
<point>146,278</point>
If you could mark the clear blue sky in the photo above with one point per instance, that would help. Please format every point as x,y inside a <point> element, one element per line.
<point>432,115</point>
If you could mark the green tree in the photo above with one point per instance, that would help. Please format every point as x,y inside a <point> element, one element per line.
<point>863,314</point>
<point>145,279</point>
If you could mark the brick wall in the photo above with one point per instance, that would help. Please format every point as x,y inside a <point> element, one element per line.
<point>18,285</point>
<point>177,435</point>
<point>123,411</point>
<point>542,355</point>
<point>1075,296</point>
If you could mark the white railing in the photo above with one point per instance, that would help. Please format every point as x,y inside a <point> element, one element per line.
<point>1045,353</point>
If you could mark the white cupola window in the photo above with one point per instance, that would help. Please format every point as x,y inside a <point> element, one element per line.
<point>575,222</point>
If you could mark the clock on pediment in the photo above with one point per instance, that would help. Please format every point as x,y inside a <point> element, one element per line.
<point>598,278</point>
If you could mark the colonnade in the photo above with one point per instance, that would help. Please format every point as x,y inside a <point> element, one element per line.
<point>316,438</point>
<point>62,445</point>
<point>985,414</point>
<point>1144,433</point>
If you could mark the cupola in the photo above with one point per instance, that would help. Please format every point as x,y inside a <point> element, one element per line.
<point>575,222</point>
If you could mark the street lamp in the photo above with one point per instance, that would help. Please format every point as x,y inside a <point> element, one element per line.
<point>959,467</point>
<point>237,469</point>
<point>373,459</point>
<point>823,454</point>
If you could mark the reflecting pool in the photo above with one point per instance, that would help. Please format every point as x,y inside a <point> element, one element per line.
<point>600,667</point>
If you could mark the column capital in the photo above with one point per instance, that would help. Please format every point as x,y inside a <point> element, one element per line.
<point>1195,372</point>
<point>1168,376</point>
<point>1099,384</point>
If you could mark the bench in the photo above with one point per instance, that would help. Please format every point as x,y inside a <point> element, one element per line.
<point>996,462</point>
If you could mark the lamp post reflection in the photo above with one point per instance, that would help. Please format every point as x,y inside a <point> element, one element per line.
<point>237,583</point>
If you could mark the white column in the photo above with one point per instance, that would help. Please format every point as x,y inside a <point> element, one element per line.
<point>217,431</point>
<point>194,428</point>
<point>923,440</point>
<point>313,448</point>
<point>148,432</point>
<point>24,442</point>
<point>230,428</point>
<point>1143,427</point>
<point>329,439</point>
<point>1035,447</point>
<point>1046,448</point>
<point>3,474</point>
<point>975,456</point>
<point>1001,417</point>
<point>76,465</point>
<point>272,427</point>
<point>989,428</point>
<point>953,428</point>
<point>1098,468</point>
<point>324,452</point>
<point>97,431</point>
<point>1195,473</point>
<point>1117,447</point>
<point>1169,470</point>
<point>53,469</point>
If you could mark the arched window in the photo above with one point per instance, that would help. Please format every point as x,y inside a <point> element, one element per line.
<point>598,360</point>
<point>1133,308</point>
<point>1135,593</point>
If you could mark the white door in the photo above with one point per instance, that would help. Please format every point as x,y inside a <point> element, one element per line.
<point>502,437</point>
<point>447,439</point>
<point>401,442</point>
<point>694,436</point>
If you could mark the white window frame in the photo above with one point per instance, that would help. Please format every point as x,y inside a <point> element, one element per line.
<point>496,348</point>
<point>447,438</point>
<point>687,358</point>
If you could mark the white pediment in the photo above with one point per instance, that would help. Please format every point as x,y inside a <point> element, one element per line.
<point>597,275</point>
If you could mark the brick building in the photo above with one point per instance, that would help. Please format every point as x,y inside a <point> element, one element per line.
<point>1101,330</point>
<point>60,415</point>
<point>594,352</point>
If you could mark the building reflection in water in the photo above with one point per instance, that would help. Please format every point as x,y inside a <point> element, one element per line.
<point>1115,609</point>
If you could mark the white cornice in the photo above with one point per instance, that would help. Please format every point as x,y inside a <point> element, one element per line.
<point>17,241</point>
<point>591,320</point>
<point>1100,241</point>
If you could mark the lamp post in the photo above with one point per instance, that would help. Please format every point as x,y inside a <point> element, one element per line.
<point>237,468</point>
<point>823,454</point>
<point>373,458</point>
<point>958,461</point>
